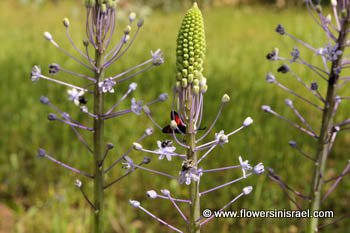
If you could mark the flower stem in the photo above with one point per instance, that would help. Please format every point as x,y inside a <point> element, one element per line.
<point>98,143</point>
<point>194,226</point>
<point>324,140</point>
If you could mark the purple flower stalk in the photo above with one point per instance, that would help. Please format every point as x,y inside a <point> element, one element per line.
<point>334,59</point>
<point>98,54</point>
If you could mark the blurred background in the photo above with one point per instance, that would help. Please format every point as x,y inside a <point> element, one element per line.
<point>39,196</point>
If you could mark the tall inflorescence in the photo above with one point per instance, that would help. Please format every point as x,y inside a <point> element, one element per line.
<point>186,132</point>
<point>324,98</point>
<point>99,52</point>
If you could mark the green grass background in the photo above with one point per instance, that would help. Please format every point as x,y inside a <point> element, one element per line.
<point>42,195</point>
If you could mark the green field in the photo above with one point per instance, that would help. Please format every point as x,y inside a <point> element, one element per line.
<point>41,197</point>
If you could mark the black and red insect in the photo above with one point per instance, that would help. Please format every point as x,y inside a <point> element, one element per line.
<point>181,127</point>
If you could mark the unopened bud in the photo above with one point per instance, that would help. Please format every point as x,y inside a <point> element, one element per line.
<point>293,144</point>
<point>110,146</point>
<point>259,169</point>
<point>134,203</point>
<point>133,86</point>
<point>52,117</point>
<point>41,153</point>
<point>149,131</point>
<point>184,83</point>
<point>104,8</point>
<point>270,78</point>
<point>195,89</point>
<point>266,108</point>
<point>44,100</point>
<point>166,192</point>
<point>247,122</point>
<point>85,43</point>
<point>84,109</point>
<point>289,103</point>
<point>132,17</point>
<point>152,194</point>
<point>137,146</point>
<point>90,3</point>
<point>140,23</point>
<point>146,160</point>
<point>78,183</point>
<point>163,97</point>
<point>204,88</point>
<point>225,98</point>
<point>173,124</point>
<point>127,30</point>
<point>247,190</point>
<point>66,22</point>
<point>48,36</point>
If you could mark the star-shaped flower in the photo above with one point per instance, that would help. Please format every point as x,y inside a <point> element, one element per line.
<point>107,85</point>
<point>166,149</point>
<point>74,95</point>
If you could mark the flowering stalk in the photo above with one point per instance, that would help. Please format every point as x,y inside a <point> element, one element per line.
<point>100,28</point>
<point>324,142</point>
<point>186,130</point>
<point>98,136</point>
<point>334,62</point>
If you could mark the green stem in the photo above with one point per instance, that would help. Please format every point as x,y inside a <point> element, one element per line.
<point>98,147</point>
<point>195,214</point>
<point>323,147</point>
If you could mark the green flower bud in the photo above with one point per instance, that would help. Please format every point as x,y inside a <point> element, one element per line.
<point>104,8</point>
<point>179,76</point>
<point>90,3</point>
<point>196,82</point>
<point>318,8</point>
<point>184,73</point>
<point>195,89</point>
<point>178,85</point>
<point>190,78</point>
<point>191,45</point>
<point>343,13</point>
<point>112,4</point>
<point>204,88</point>
<point>184,83</point>
<point>85,42</point>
